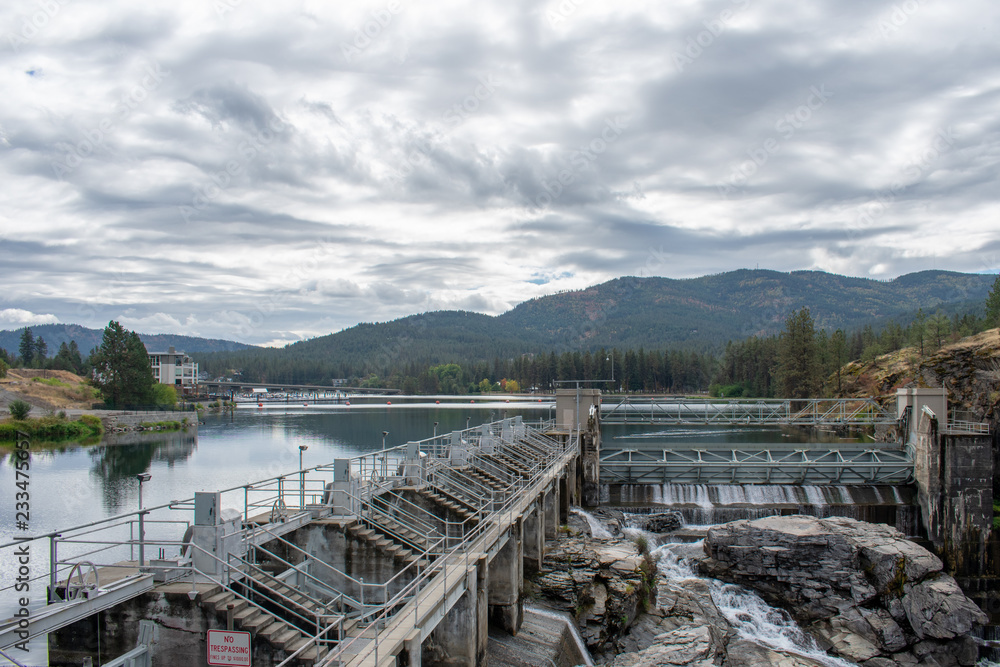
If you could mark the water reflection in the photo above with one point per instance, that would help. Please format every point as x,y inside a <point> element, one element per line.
<point>114,466</point>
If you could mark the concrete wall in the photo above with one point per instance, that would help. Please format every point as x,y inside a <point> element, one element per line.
<point>129,420</point>
<point>181,633</point>
<point>356,558</point>
<point>954,474</point>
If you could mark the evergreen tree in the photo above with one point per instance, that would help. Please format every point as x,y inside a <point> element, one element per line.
<point>993,305</point>
<point>918,330</point>
<point>121,366</point>
<point>938,328</point>
<point>41,351</point>
<point>838,352</point>
<point>27,347</point>
<point>798,361</point>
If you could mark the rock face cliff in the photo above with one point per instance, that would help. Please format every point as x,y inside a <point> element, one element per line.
<point>968,368</point>
<point>864,591</point>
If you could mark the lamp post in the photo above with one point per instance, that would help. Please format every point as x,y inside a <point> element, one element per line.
<point>467,423</point>
<point>612,358</point>
<point>435,429</point>
<point>384,433</point>
<point>142,477</point>
<point>302,479</point>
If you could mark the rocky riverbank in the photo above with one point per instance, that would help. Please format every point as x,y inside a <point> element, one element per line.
<point>859,591</point>
<point>864,591</point>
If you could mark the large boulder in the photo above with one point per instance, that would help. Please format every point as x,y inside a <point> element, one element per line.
<point>604,585</point>
<point>863,589</point>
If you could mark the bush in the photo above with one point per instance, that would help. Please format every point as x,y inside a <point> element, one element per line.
<point>3,368</point>
<point>164,394</point>
<point>93,422</point>
<point>19,409</point>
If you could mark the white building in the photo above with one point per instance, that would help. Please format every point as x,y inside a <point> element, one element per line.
<point>173,367</point>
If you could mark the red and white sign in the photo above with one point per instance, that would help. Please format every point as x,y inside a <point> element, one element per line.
<point>226,647</point>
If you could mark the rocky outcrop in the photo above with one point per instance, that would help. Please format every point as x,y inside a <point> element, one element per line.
<point>968,368</point>
<point>863,590</point>
<point>616,521</point>
<point>603,585</point>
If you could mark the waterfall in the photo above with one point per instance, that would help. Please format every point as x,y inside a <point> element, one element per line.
<point>749,615</point>
<point>757,622</point>
<point>706,504</point>
<point>597,529</point>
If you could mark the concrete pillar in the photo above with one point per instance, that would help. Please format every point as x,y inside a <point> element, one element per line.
<point>573,483</point>
<point>457,638</point>
<point>590,454</point>
<point>916,399</point>
<point>505,580</point>
<point>564,499</point>
<point>551,503</point>
<point>412,651</point>
<point>482,610</point>
<point>954,475</point>
<point>534,538</point>
<point>578,412</point>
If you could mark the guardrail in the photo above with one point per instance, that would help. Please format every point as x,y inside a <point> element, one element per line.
<point>671,410</point>
<point>105,543</point>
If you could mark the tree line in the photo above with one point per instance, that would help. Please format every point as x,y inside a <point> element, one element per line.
<point>802,362</point>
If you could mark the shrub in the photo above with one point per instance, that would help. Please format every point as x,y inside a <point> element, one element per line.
<point>92,421</point>
<point>164,394</point>
<point>19,409</point>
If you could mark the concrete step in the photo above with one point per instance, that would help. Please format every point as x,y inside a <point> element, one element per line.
<point>215,599</point>
<point>284,637</point>
<point>245,613</point>
<point>253,620</point>
<point>239,604</point>
<point>256,623</point>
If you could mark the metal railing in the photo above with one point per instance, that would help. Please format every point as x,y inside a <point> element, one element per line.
<point>680,410</point>
<point>106,543</point>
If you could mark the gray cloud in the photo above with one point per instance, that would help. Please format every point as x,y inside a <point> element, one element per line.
<point>232,174</point>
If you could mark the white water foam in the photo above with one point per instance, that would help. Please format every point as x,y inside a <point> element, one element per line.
<point>718,495</point>
<point>757,622</point>
<point>749,615</point>
<point>597,529</point>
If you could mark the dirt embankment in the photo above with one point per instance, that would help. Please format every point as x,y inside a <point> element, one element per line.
<point>968,368</point>
<point>46,390</point>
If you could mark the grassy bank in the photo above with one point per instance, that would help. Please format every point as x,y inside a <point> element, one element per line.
<point>51,429</point>
<point>164,426</point>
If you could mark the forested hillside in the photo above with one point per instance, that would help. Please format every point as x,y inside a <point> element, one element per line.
<point>667,334</point>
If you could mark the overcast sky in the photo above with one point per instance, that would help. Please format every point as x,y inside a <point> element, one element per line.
<point>268,171</point>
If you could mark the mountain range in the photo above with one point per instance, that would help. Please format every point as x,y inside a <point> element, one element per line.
<point>697,313</point>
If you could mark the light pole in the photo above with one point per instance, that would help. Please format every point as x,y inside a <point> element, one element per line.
<point>612,358</point>
<point>142,477</point>
<point>467,423</point>
<point>384,433</point>
<point>435,429</point>
<point>302,479</point>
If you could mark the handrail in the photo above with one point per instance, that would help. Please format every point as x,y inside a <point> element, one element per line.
<point>308,575</point>
<point>477,532</point>
<point>529,454</point>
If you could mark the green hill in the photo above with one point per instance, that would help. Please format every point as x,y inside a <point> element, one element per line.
<point>654,313</point>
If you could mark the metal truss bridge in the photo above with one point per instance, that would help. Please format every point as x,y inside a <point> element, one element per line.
<point>772,411</point>
<point>778,463</point>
